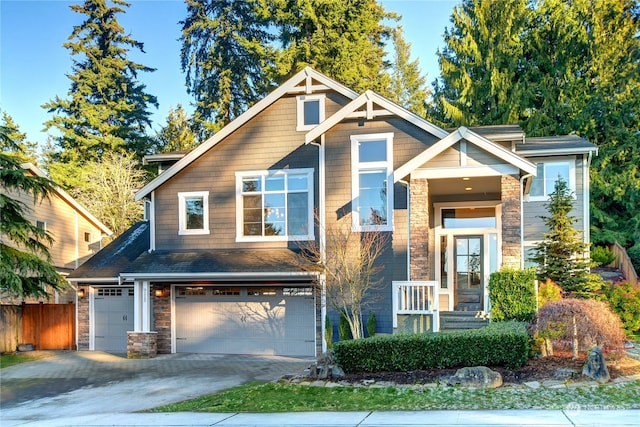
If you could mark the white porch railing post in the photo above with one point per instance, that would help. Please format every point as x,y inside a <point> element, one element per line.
<point>435,310</point>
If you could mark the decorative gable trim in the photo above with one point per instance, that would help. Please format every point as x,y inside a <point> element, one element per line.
<point>469,136</point>
<point>367,100</point>
<point>291,86</point>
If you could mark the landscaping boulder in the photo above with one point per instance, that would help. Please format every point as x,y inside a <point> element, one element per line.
<point>476,376</point>
<point>596,366</point>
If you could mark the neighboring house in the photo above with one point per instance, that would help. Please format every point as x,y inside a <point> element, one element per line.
<point>220,273</point>
<point>76,232</point>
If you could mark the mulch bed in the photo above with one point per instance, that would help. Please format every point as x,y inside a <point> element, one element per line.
<point>541,369</point>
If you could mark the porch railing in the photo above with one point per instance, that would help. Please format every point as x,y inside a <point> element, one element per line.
<point>416,297</point>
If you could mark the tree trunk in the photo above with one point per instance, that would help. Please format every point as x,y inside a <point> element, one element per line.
<point>574,343</point>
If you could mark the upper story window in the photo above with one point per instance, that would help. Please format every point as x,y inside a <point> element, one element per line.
<point>548,173</point>
<point>42,225</point>
<point>87,237</point>
<point>275,205</point>
<point>372,182</point>
<point>193,212</point>
<point>310,111</point>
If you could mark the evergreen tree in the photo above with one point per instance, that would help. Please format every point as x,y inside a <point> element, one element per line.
<point>560,256</point>
<point>226,54</point>
<point>107,106</point>
<point>342,39</point>
<point>481,64</point>
<point>178,134</point>
<point>25,261</point>
<point>407,86</point>
<point>22,150</point>
<point>610,119</point>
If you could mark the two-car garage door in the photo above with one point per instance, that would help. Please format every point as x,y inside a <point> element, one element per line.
<point>245,320</point>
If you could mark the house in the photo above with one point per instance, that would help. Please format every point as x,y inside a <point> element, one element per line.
<point>76,232</point>
<point>220,273</point>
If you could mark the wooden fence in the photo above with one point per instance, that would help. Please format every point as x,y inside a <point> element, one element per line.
<point>46,326</point>
<point>623,262</point>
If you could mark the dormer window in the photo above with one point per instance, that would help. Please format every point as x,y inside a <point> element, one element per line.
<point>310,111</point>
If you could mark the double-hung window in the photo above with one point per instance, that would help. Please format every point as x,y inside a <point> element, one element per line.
<point>193,212</point>
<point>372,182</point>
<point>548,173</point>
<point>310,111</point>
<point>275,205</point>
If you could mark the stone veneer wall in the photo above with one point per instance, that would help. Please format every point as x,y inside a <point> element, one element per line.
<point>142,345</point>
<point>511,214</point>
<point>162,319</point>
<point>419,224</point>
<point>83,319</point>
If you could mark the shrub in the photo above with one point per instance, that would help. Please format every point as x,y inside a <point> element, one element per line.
<point>547,292</point>
<point>601,256</point>
<point>504,343</point>
<point>624,299</point>
<point>328,332</point>
<point>371,324</point>
<point>512,294</point>
<point>593,322</point>
<point>344,330</point>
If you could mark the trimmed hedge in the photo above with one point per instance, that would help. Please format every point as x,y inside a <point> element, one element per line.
<point>512,294</point>
<point>498,344</point>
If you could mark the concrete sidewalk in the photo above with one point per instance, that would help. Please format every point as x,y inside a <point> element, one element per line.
<point>520,418</point>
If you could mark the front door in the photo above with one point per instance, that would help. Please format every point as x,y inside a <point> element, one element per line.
<point>468,278</point>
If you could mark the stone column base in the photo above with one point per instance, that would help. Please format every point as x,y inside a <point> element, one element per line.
<point>142,345</point>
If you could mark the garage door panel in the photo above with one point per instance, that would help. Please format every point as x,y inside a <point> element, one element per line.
<point>113,318</point>
<point>245,324</point>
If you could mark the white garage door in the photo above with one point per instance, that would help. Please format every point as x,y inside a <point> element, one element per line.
<point>245,320</point>
<point>113,311</point>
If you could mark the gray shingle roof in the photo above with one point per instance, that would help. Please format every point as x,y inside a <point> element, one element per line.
<point>217,261</point>
<point>552,144</point>
<point>117,255</point>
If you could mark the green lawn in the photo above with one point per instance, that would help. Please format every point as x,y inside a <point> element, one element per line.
<point>257,397</point>
<point>11,359</point>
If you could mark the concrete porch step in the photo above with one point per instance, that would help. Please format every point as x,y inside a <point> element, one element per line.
<point>462,320</point>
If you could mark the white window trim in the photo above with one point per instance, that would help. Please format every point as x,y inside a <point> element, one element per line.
<point>240,237</point>
<point>182,214</point>
<point>44,224</point>
<point>300,100</point>
<point>355,181</point>
<point>572,176</point>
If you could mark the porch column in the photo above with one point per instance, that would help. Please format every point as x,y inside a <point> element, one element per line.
<point>419,229</point>
<point>511,238</point>
<point>141,306</point>
<point>141,342</point>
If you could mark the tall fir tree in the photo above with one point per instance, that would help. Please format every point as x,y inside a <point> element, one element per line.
<point>226,54</point>
<point>480,64</point>
<point>21,148</point>
<point>343,39</point>
<point>610,119</point>
<point>107,108</point>
<point>25,261</point>
<point>560,256</point>
<point>178,133</point>
<point>408,86</point>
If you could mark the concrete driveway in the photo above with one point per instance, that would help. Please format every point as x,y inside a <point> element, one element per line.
<point>70,383</point>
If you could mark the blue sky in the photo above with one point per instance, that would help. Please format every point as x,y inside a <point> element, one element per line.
<point>34,65</point>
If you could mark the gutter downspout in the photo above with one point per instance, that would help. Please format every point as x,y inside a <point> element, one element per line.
<point>522,217</point>
<point>322,233</point>
<point>406,183</point>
